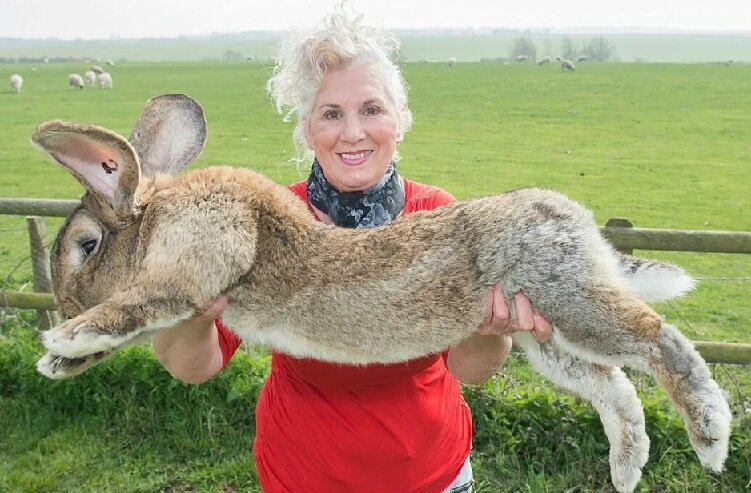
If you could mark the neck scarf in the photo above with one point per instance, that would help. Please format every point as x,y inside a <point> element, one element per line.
<point>375,206</point>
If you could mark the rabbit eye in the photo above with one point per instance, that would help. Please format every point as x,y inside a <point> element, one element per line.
<point>88,246</point>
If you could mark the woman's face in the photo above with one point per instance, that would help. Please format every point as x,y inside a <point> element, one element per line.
<point>352,130</point>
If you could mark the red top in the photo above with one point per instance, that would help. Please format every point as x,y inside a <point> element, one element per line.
<point>361,429</point>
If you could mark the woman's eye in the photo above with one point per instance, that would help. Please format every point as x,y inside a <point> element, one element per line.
<point>88,247</point>
<point>331,115</point>
<point>371,110</point>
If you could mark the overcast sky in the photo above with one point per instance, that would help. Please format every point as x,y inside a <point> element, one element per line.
<point>99,19</point>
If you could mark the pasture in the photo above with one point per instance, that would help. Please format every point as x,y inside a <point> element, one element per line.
<point>664,145</point>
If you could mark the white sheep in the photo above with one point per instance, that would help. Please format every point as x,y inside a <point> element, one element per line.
<point>16,82</point>
<point>89,77</point>
<point>75,80</point>
<point>567,65</point>
<point>522,58</point>
<point>96,69</point>
<point>104,80</point>
<point>452,61</point>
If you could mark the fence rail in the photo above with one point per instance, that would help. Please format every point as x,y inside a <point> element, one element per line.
<point>37,207</point>
<point>678,240</point>
<point>620,232</point>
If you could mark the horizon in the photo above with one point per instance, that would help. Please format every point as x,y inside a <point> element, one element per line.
<point>478,30</point>
<point>93,20</point>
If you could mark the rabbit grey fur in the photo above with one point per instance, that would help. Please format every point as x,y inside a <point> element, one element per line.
<point>148,248</point>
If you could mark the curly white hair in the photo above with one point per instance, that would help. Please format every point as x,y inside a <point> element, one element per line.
<point>342,42</point>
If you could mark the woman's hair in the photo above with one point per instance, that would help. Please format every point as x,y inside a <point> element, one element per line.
<point>341,43</point>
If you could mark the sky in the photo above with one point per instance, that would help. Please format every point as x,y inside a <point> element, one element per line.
<point>103,19</point>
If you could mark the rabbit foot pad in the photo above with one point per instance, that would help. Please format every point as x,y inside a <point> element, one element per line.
<point>625,468</point>
<point>712,446</point>
<point>625,477</point>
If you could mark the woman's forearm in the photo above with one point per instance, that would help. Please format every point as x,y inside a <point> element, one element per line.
<point>190,352</point>
<point>476,359</point>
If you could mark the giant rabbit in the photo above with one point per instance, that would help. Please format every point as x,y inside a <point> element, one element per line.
<point>148,247</point>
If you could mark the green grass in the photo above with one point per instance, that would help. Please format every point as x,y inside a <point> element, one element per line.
<point>666,146</point>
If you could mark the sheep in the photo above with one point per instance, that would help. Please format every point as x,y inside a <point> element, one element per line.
<point>16,82</point>
<point>522,58</point>
<point>89,77</point>
<point>582,58</point>
<point>567,65</point>
<point>104,80</point>
<point>75,80</point>
<point>544,60</point>
<point>452,61</point>
<point>110,63</point>
<point>96,69</point>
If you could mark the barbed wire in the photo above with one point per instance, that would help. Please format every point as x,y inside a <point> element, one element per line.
<point>724,279</point>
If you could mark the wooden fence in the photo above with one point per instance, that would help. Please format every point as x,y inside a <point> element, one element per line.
<point>620,232</point>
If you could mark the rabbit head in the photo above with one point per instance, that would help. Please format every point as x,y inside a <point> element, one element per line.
<point>96,247</point>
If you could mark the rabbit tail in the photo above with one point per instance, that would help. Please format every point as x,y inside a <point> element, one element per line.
<point>654,280</point>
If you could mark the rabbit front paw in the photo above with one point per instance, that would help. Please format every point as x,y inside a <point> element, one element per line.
<point>80,337</point>
<point>58,367</point>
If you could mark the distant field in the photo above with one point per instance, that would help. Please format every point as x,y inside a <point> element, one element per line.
<point>416,46</point>
<point>665,145</point>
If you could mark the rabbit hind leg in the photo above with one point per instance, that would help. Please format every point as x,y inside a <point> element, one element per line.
<point>633,335</point>
<point>613,396</point>
<point>685,376</point>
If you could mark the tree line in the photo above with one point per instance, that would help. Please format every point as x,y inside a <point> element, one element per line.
<point>596,49</point>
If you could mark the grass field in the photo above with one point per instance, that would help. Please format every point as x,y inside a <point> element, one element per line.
<point>667,146</point>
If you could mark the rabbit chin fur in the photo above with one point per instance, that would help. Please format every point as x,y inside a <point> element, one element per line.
<point>158,248</point>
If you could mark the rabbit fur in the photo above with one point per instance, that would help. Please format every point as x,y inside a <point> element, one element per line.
<point>148,247</point>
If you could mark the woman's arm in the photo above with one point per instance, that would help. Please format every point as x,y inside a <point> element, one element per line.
<point>476,359</point>
<point>191,351</point>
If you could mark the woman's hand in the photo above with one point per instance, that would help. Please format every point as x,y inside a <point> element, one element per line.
<point>190,351</point>
<point>478,357</point>
<point>497,321</point>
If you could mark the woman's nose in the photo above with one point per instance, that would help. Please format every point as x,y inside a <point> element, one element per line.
<point>353,130</point>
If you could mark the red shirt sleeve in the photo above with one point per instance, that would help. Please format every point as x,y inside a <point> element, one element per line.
<point>422,197</point>
<point>228,341</point>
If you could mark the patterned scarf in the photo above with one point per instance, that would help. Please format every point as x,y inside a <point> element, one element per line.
<point>365,209</point>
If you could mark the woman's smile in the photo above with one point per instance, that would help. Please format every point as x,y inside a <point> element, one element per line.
<point>354,158</point>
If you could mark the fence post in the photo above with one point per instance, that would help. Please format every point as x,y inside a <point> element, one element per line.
<point>620,222</point>
<point>40,263</point>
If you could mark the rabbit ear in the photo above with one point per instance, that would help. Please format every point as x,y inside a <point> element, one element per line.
<point>169,134</point>
<point>103,161</point>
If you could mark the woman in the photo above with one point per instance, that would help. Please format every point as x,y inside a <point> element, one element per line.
<point>330,427</point>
